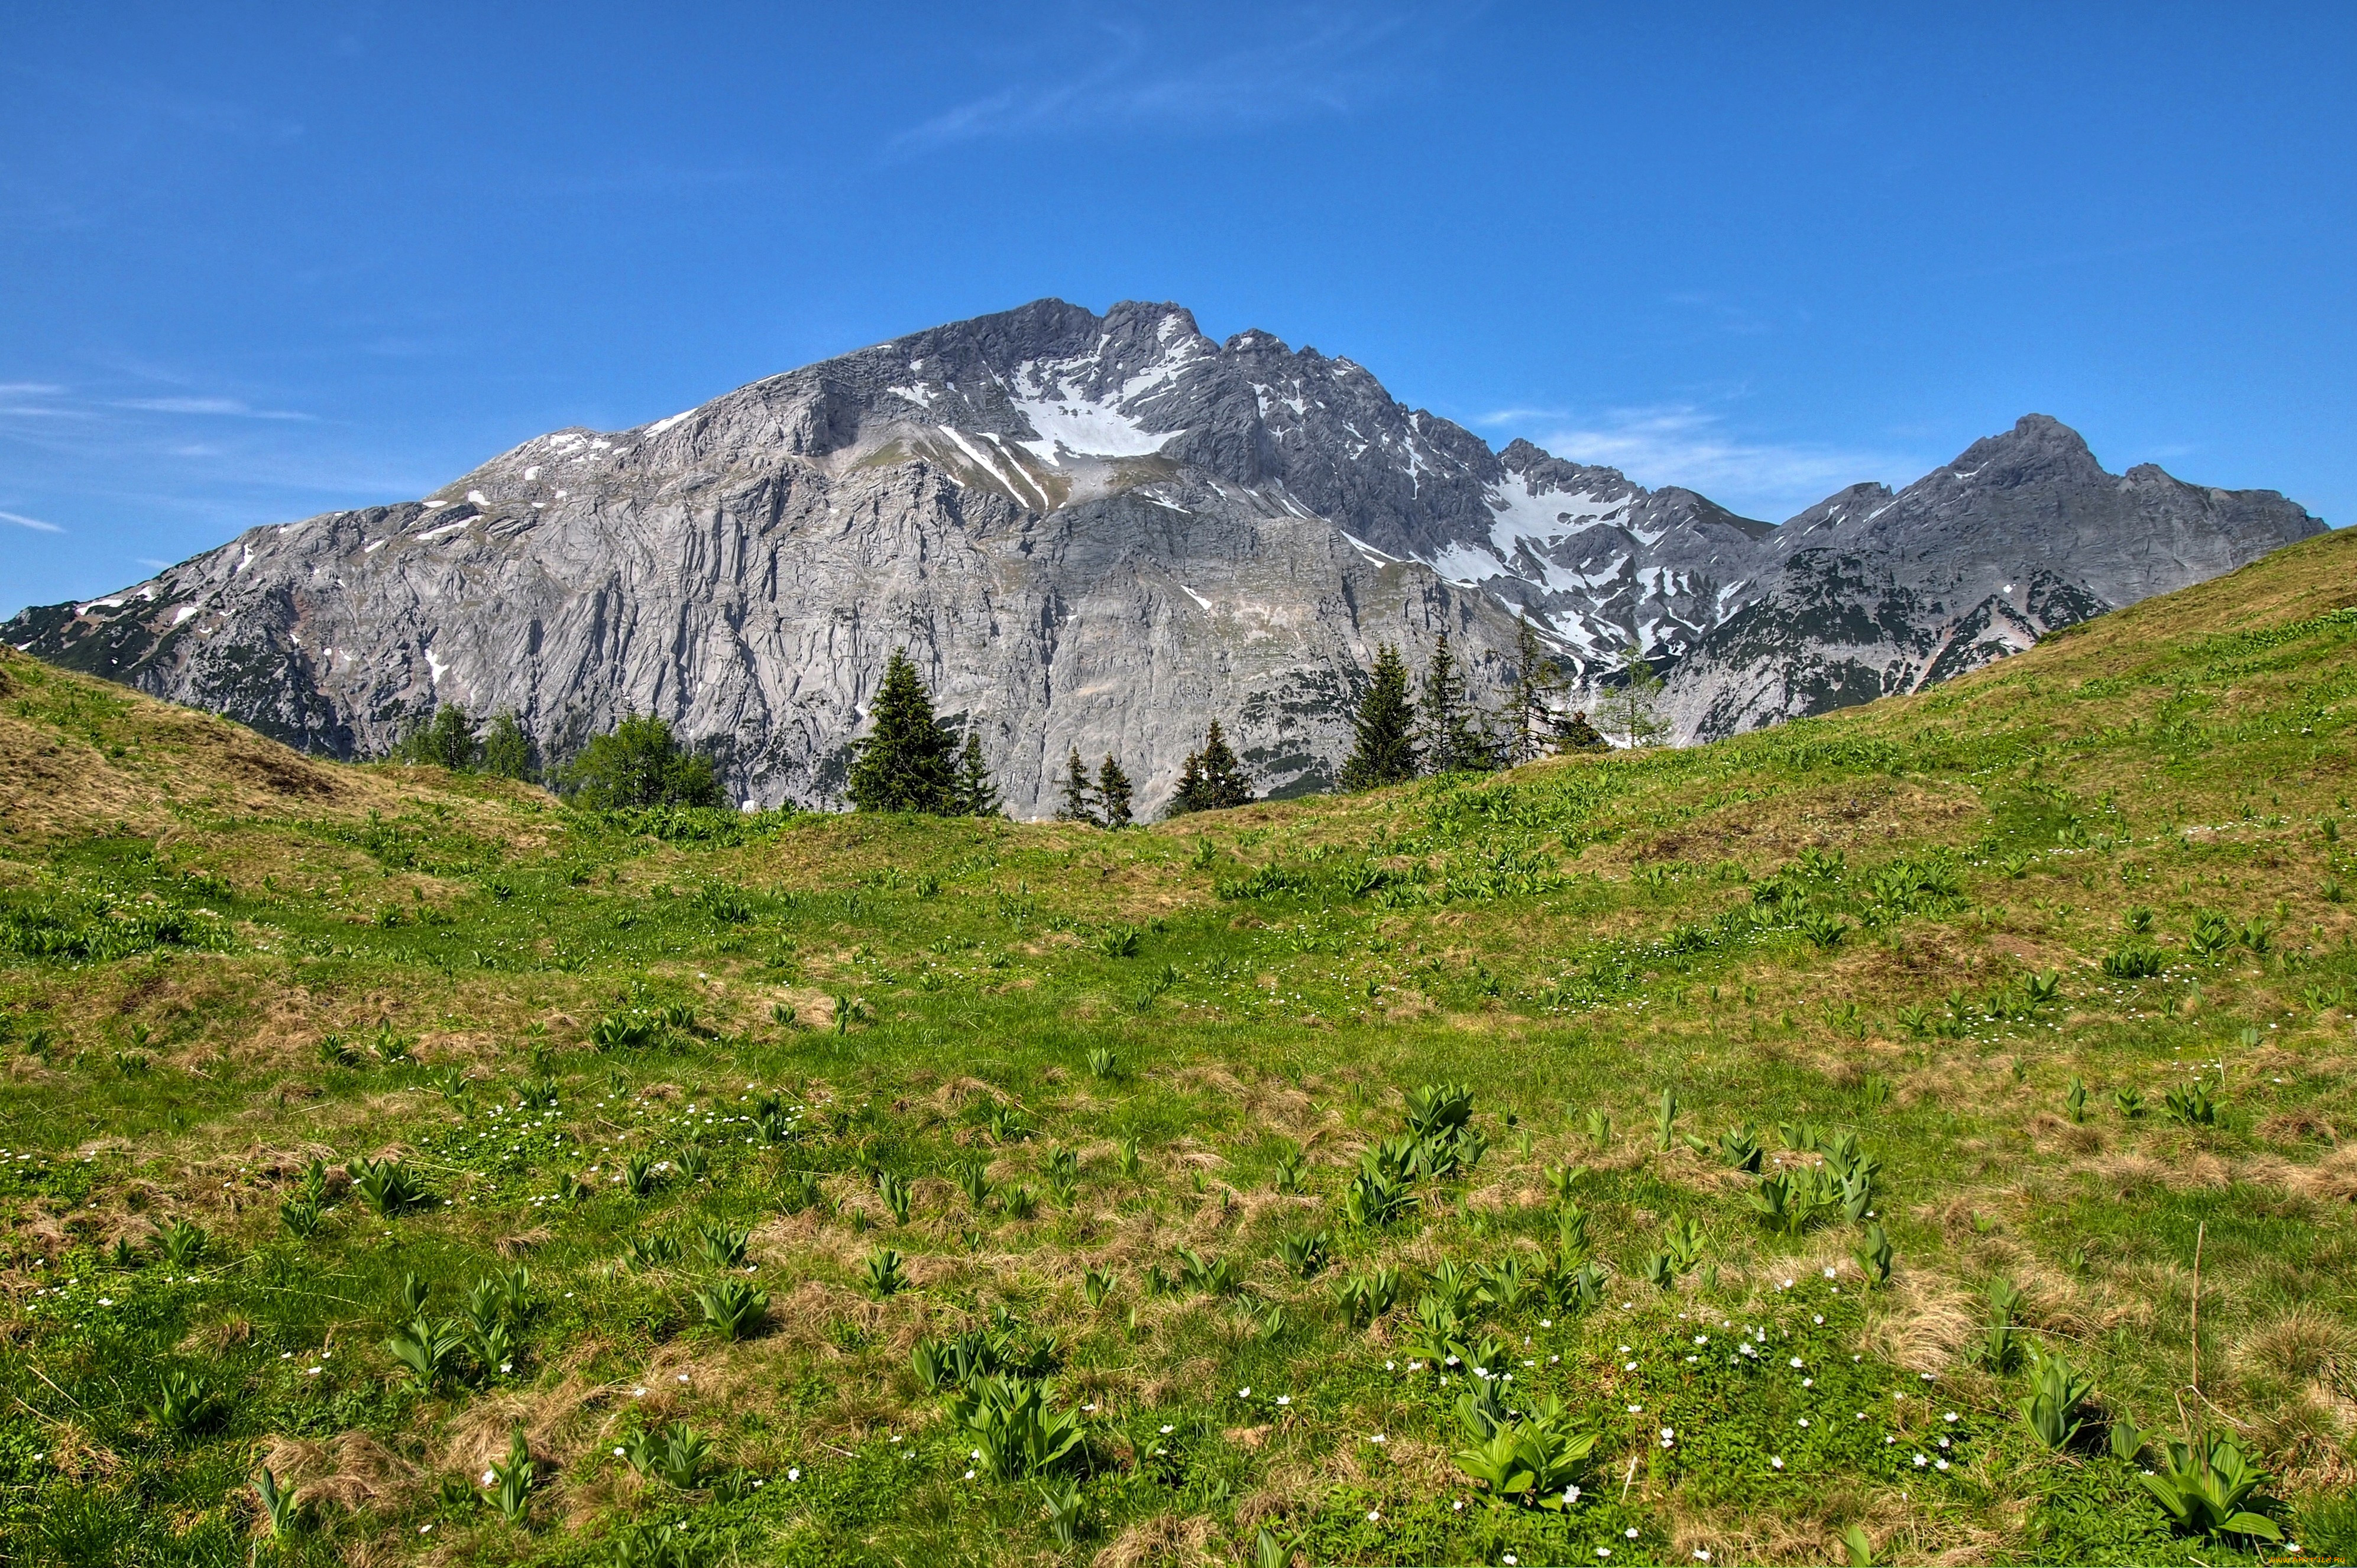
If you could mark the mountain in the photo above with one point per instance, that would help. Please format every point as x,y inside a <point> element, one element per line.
<point>1101,532</point>
<point>1872,593</point>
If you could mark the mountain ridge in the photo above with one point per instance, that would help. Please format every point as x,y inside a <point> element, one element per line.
<point>1098,533</point>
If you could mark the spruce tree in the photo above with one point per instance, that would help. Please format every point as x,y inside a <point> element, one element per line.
<point>1536,682</point>
<point>1573,733</point>
<point>1453,737</point>
<point>1631,710</point>
<point>1385,728</point>
<point>976,795</point>
<point>1189,796</point>
<point>1075,808</point>
<point>1222,781</point>
<point>507,750</point>
<point>1112,793</point>
<point>903,764</point>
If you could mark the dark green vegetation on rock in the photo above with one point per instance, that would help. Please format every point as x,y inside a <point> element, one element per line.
<point>408,1159</point>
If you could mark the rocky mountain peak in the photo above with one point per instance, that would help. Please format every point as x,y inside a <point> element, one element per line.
<point>2039,449</point>
<point>1102,532</point>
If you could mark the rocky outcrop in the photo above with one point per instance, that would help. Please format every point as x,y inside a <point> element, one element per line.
<point>1101,532</point>
<point>1869,592</point>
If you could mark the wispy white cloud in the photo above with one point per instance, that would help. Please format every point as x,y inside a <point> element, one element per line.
<point>30,389</point>
<point>32,522</point>
<point>230,407</point>
<point>1308,63</point>
<point>1691,445</point>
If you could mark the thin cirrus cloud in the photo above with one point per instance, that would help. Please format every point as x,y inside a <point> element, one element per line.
<point>1689,445</point>
<point>1327,67</point>
<point>32,522</point>
<point>228,407</point>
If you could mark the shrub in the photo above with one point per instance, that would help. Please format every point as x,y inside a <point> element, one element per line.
<point>1529,1459</point>
<point>1823,931</point>
<point>734,1307</point>
<point>1013,1428</point>
<point>511,1482</point>
<point>639,764</point>
<point>895,1194</point>
<point>1740,1147</point>
<point>183,1242</point>
<point>723,1245</point>
<point>1304,1252</point>
<point>2211,1488</point>
<point>386,1185</point>
<point>2053,1410</point>
<point>280,1511</point>
<point>883,1273</point>
<point>1366,1297</point>
<point>1212,1277</point>
<point>651,1251</point>
<point>2193,1106</point>
<point>428,1347</point>
<point>183,1405</point>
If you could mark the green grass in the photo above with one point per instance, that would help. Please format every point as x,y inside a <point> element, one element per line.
<point>220,964</point>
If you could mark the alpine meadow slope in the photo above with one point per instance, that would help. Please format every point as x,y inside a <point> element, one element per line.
<point>1890,1135</point>
<point>1100,533</point>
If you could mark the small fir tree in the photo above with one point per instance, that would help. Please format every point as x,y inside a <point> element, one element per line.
<point>903,764</point>
<point>1573,733</point>
<point>1454,741</point>
<point>1631,710</point>
<point>1384,727</point>
<point>444,738</point>
<point>641,764</point>
<point>1113,794</point>
<point>1538,683</point>
<point>1075,808</point>
<point>1191,786</point>
<point>507,750</point>
<point>1214,779</point>
<point>977,796</point>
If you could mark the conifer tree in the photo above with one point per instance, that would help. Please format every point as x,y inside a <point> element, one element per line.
<point>1113,794</point>
<point>1573,733</point>
<point>444,738</point>
<point>1631,710</point>
<point>1191,786</point>
<point>977,796</point>
<point>1385,728</point>
<point>507,750</point>
<point>1536,683</point>
<point>1214,780</point>
<point>903,764</point>
<point>1075,808</point>
<point>1453,737</point>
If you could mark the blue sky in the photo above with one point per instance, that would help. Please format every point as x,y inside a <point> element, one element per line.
<point>262,262</point>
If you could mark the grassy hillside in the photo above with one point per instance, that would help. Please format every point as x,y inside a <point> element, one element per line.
<point>715,1142</point>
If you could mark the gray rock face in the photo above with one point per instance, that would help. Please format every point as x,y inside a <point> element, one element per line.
<point>1872,593</point>
<point>1104,532</point>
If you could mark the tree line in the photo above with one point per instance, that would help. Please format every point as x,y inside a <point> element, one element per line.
<point>910,761</point>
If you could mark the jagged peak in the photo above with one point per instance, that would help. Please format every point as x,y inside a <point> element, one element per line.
<point>2038,447</point>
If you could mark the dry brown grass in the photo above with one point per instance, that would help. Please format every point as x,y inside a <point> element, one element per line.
<point>1165,1541</point>
<point>1923,1320</point>
<point>350,1473</point>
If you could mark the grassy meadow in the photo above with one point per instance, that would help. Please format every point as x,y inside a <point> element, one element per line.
<point>1874,1138</point>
